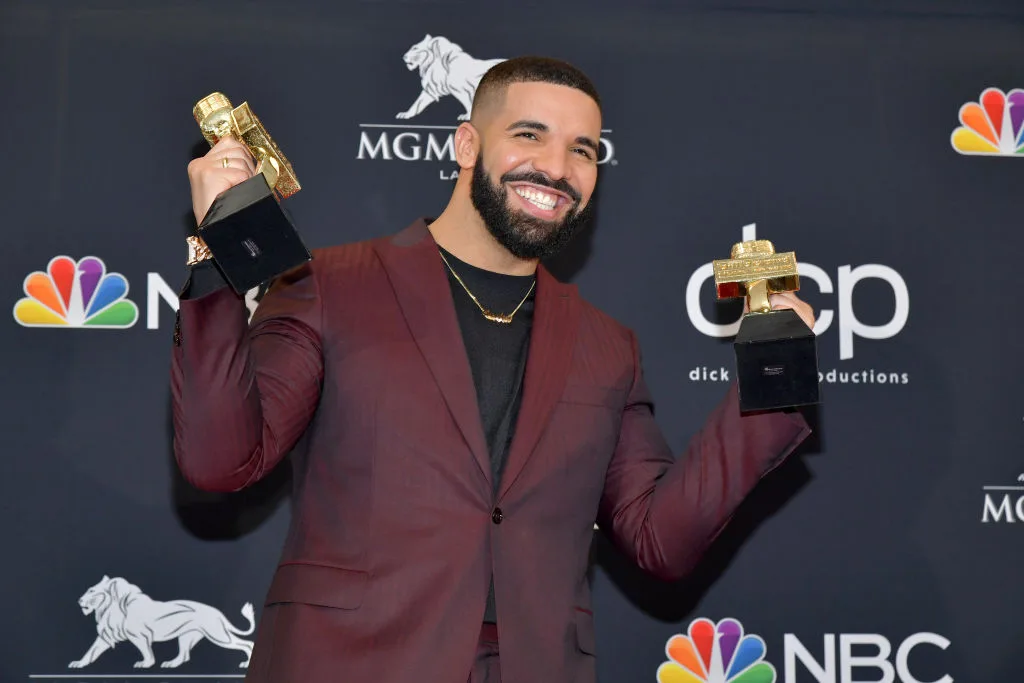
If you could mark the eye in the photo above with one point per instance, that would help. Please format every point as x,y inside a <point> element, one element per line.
<point>583,151</point>
<point>526,134</point>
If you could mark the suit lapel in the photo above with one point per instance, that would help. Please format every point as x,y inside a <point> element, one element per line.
<point>424,295</point>
<point>555,321</point>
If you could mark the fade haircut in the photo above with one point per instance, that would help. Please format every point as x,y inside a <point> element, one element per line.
<point>529,69</point>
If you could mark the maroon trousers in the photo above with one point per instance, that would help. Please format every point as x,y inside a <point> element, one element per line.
<point>485,666</point>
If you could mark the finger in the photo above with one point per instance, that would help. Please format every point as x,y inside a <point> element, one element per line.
<point>801,308</point>
<point>787,300</point>
<point>787,297</point>
<point>229,176</point>
<point>235,175</point>
<point>227,147</point>
<point>235,157</point>
<point>226,143</point>
<point>235,160</point>
<point>233,151</point>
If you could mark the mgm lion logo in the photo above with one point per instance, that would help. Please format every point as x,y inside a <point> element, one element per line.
<point>445,69</point>
<point>123,612</point>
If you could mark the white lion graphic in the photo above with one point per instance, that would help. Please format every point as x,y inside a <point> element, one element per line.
<point>444,70</point>
<point>123,612</point>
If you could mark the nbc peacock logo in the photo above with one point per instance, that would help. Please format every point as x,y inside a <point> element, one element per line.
<point>715,653</point>
<point>76,294</point>
<point>992,126</point>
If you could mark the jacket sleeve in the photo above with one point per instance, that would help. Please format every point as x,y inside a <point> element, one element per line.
<point>243,394</point>
<point>203,278</point>
<point>664,512</point>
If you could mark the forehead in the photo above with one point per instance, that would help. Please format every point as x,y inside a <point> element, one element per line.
<point>563,109</point>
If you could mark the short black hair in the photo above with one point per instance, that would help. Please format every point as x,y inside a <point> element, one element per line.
<point>532,69</point>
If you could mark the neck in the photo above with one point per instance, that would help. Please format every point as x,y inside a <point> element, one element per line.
<point>461,232</point>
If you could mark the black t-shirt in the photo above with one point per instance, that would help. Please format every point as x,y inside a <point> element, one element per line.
<point>497,351</point>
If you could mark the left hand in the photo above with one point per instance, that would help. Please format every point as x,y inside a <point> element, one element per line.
<point>791,301</point>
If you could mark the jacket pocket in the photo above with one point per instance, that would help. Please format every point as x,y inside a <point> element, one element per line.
<point>317,584</point>
<point>585,638</point>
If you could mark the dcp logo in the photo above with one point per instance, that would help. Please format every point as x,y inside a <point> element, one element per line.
<point>848,277</point>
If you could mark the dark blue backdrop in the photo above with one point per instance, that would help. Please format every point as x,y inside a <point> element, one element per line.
<point>889,550</point>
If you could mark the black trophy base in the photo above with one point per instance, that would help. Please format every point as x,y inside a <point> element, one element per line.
<point>776,362</point>
<point>251,237</point>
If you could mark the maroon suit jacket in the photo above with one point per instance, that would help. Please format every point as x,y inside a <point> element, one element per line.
<point>356,364</point>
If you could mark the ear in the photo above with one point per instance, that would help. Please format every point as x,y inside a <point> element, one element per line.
<point>426,37</point>
<point>467,145</point>
<point>106,578</point>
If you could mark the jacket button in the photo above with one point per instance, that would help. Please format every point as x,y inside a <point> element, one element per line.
<point>496,516</point>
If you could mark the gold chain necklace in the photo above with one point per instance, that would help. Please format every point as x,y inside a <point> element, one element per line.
<point>493,317</point>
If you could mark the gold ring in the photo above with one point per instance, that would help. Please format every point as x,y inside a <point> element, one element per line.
<point>225,162</point>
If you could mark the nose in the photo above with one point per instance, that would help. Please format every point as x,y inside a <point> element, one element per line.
<point>552,162</point>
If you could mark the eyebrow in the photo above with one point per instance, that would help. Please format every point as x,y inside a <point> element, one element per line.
<point>543,128</point>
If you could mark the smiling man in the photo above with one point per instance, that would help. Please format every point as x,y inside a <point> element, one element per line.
<point>457,419</point>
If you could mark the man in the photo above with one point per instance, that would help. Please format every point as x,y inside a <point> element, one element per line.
<point>457,419</point>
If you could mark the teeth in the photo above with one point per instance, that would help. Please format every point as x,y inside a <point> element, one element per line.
<point>538,199</point>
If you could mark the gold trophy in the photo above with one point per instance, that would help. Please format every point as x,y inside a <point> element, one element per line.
<point>776,353</point>
<point>247,231</point>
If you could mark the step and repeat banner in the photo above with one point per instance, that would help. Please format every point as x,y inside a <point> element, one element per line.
<point>883,144</point>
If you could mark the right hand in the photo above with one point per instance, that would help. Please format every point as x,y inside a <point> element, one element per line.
<point>209,177</point>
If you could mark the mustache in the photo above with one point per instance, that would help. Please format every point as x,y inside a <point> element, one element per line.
<point>538,178</point>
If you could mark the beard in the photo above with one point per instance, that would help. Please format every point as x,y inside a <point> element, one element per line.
<point>525,236</point>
